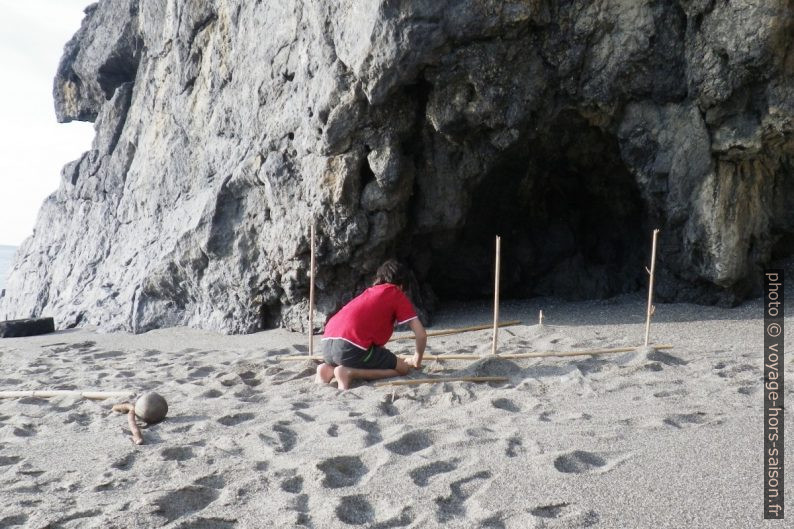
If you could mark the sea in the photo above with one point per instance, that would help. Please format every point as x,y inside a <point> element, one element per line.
<point>6,257</point>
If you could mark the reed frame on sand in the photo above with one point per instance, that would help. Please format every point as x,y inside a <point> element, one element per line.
<point>504,356</point>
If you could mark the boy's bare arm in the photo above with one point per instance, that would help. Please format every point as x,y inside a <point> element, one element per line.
<point>421,341</point>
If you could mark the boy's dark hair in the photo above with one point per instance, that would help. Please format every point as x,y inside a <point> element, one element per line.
<point>393,271</point>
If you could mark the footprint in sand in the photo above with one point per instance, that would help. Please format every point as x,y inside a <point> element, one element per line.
<point>304,416</point>
<point>549,511</point>
<point>672,393</point>
<point>179,453</point>
<point>387,407</point>
<point>80,346</point>
<point>201,372</point>
<point>480,432</point>
<point>493,522</point>
<point>514,446</point>
<point>184,501</point>
<point>9,460</point>
<point>213,481</point>
<point>404,519</point>
<point>293,485</point>
<point>421,475</point>
<point>591,365</point>
<point>342,471</point>
<point>107,354</point>
<point>581,462</point>
<point>235,419</point>
<point>410,443</point>
<point>566,514</point>
<point>505,404</point>
<point>372,430</point>
<point>287,438</point>
<point>91,513</point>
<point>14,520</point>
<point>249,378</point>
<point>461,490</point>
<point>355,510</point>
<point>125,463</point>
<point>685,420</point>
<point>666,358</point>
<point>287,376</point>
<point>25,430</point>
<point>300,504</point>
<point>35,401</point>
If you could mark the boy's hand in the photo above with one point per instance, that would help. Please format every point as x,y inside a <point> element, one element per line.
<point>403,367</point>
<point>416,361</point>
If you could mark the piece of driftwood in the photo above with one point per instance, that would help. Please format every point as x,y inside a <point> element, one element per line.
<point>26,327</point>
<point>311,293</point>
<point>651,308</point>
<point>129,409</point>
<point>496,295</point>
<point>506,356</point>
<point>414,381</point>
<point>459,330</point>
<point>93,395</point>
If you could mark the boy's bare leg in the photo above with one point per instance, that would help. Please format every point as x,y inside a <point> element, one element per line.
<point>344,375</point>
<point>325,373</point>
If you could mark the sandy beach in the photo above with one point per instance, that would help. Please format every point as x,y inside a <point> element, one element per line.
<point>667,439</point>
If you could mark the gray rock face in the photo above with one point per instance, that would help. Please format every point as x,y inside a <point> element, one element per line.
<point>416,129</point>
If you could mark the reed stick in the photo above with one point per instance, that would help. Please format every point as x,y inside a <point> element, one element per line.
<point>505,356</point>
<point>129,409</point>
<point>458,330</point>
<point>311,292</point>
<point>651,309</point>
<point>496,295</point>
<point>93,395</point>
<point>414,381</point>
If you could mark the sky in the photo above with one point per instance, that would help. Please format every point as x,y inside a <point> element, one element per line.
<point>33,145</point>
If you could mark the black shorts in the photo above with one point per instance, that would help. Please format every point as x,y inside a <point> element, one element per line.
<point>337,352</point>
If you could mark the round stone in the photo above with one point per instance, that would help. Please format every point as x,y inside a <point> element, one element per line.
<point>151,407</point>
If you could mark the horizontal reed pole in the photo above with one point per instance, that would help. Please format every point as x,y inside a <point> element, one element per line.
<point>93,395</point>
<point>514,356</point>
<point>459,330</point>
<point>414,381</point>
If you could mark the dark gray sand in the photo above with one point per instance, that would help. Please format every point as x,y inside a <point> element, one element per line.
<point>641,439</point>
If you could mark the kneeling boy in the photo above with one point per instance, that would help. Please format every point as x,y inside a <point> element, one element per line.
<point>354,337</point>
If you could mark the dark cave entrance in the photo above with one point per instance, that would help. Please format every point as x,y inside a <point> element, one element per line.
<point>572,222</point>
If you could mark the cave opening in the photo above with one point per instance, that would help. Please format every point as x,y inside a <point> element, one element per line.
<point>571,218</point>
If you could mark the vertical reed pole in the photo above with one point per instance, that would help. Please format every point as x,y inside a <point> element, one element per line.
<point>496,294</point>
<point>651,308</point>
<point>311,294</point>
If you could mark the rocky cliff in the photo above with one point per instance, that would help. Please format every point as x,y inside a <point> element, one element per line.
<point>411,128</point>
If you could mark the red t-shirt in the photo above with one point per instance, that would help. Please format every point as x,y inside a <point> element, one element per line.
<point>369,318</point>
